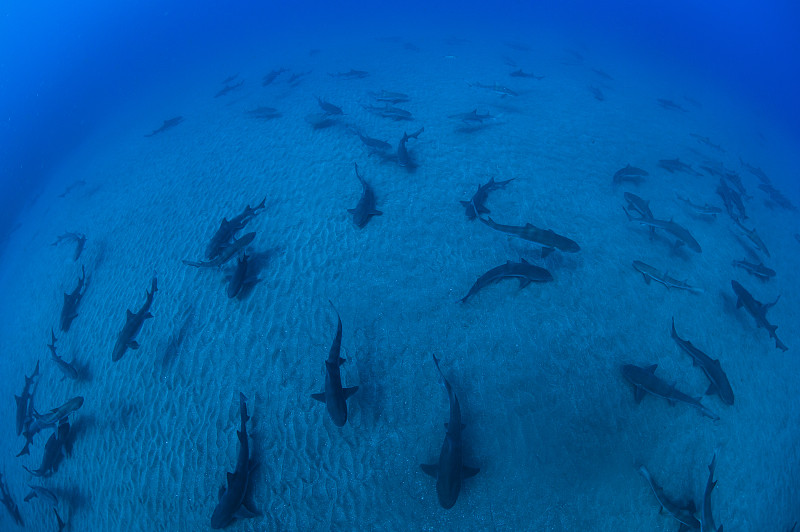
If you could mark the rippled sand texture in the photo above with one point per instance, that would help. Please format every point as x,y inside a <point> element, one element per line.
<point>549,419</point>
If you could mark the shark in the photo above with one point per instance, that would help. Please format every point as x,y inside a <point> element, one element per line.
<point>450,470</point>
<point>477,203</point>
<point>676,165</point>
<point>700,210</point>
<point>56,415</point>
<point>706,517</point>
<point>66,369</point>
<point>239,277</point>
<point>228,88</point>
<point>351,74</point>
<point>758,310</point>
<point>388,111</point>
<point>630,174</point>
<point>389,96</point>
<point>272,76</point>
<point>25,400</point>
<point>639,205</point>
<point>227,253</point>
<point>335,396</point>
<point>522,270</point>
<point>329,108</point>
<point>8,502</point>
<point>231,504</point>
<point>719,383</point>
<point>71,301</point>
<point>650,273</point>
<point>644,381</point>
<point>228,229</point>
<point>752,235</point>
<point>547,239</point>
<point>168,124</point>
<point>670,105</point>
<point>472,116</point>
<point>44,494</point>
<point>520,74</point>
<point>365,208</point>
<point>133,324</point>
<point>496,88</point>
<point>676,230</point>
<point>683,513</point>
<point>78,238</point>
<point>403,158</point>
<point>759,270</point>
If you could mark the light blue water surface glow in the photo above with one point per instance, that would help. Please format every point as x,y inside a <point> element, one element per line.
<point>549,418</point>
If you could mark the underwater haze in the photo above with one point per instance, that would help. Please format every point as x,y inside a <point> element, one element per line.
<point>423,266</point>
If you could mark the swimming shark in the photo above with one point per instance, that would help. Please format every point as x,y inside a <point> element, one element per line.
<point>450,471</point>
<point>71,301</point>
<point>335,396</point>
<point>639,205</point>
<point>719,383</point>
<point>42,421</point>
<point>496,88</point>
<point>78,238</point>
<point>66,369</point>
<point>351,74</point>
<point>676,230</point>
<point>376,144</point>
<point>676,165</point>
<point>629,173</point>
<point>269,78</point>
<point>389,96</point>
<point>706,518</point>
<point>650,273</point>
<point>476,204</point>
<point>237,280</point>
<point>47,496</point>
<point>670,105</point>
<point>365,208</point>
<point>231,503</point>
<point>8,502</point>
<point>228,88</point>
<point>329,108</point>
<point>403,158</point>
<point>522,270</point>
<point>756,171</point>
<point>472,116</point>
<point>700,210</point>
<point>25,400</point>
<point>168,124</point>
<point>758,310</point>
<point>759,270</point>
<point>777,197</point>
<point>547,239</point>
<point>228,229</point>
<point>731,199</point>
<point>133,324</point>
<point>387,111</point>
<point>752,235</point>
<point>683,513</point>
<point>50,457</point>
<point>227,253</point>
<point>707,142</point>
<point>644,381</point>
<point>520,74</point>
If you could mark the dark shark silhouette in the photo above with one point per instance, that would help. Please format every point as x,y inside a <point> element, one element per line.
<point>335,396</point>
<point>133,324</point>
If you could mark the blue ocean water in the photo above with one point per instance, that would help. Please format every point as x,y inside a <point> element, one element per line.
<point>142,126</point>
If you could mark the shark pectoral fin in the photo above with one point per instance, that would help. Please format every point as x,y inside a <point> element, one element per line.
<point>468,472</point>
<point>711,389</point>
<point>342,360</point>
<point>133,344</point>
<point>376,213</point>
<point>430,469</point>
<point>245,513</point>
<point>638,394</point>
<point>546,251</point>
<point>523,282</point>
<point>319,396</point>
<point>349,391</point>
<point>646,279</point>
